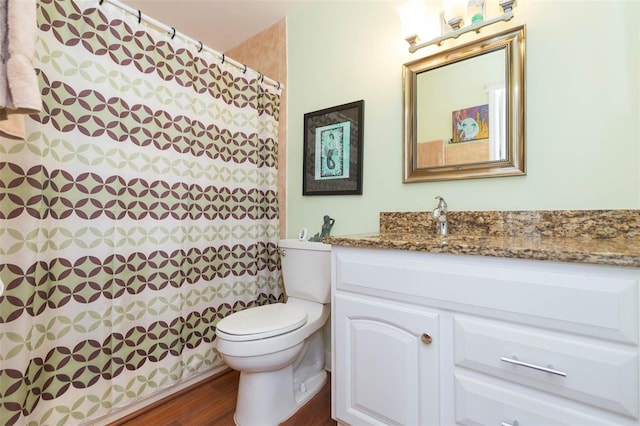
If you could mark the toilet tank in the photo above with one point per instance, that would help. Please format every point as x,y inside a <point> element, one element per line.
<point>306,269</point>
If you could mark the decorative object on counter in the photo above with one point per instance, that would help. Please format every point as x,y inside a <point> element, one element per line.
<point>332,157</point>
<point>440,216</point>
<point>326,229</point>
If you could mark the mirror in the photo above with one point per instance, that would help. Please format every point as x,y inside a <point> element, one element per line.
<point>464,111</point>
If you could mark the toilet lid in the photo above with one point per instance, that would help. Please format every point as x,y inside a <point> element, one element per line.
<point>261,322</point>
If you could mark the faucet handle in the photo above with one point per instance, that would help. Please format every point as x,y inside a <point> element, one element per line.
<point>440,215</point>
<point>442,204</point>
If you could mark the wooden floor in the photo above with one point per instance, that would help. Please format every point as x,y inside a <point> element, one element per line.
<point>213,403</point>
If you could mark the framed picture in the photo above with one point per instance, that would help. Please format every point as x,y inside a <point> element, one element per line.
<point>470,124</point>
<point>332,157</point>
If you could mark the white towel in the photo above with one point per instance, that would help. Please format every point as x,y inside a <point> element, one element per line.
<point>19,91</point>
<point>5,92</point>
<point>23,81</point>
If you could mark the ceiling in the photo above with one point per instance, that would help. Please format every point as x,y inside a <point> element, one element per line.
<point>219,24</point>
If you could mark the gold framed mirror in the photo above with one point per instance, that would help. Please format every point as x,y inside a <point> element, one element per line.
<point>463,111</point>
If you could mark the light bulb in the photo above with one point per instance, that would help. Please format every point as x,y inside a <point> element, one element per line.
<point>454,9</point>
<point>412,17</point>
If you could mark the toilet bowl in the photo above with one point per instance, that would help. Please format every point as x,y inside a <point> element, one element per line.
<point>279,348</point>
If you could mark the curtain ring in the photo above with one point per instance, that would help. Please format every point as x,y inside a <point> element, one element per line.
<point>201,46</point>
<point>139,16</point>
<point>259,76</point>
<point>278,86</point>
<point>174,32</point>
<point>101,1</point>
<point>223,59</point>
<point>245,69</point>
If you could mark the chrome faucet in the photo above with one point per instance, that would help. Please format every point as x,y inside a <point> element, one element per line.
<point>440,215</point>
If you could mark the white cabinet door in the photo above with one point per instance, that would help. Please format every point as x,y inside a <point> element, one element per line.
<point>386,362</point>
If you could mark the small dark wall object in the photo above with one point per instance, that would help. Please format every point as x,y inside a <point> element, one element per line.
<point>326,229</point>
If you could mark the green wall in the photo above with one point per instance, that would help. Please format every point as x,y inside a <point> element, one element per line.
<point>582,110</point>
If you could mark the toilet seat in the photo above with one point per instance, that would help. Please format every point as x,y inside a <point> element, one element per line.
<point>261,322</point>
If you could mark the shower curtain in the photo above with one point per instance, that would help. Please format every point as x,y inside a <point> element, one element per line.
<point>140,210</point>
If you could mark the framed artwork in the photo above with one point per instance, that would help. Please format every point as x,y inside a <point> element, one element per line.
<point>470,124</point>
<point>332,157</point>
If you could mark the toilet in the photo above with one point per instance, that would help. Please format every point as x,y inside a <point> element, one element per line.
<point>279,348</point>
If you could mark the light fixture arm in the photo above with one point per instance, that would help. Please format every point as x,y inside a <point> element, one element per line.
<point>507,8</point>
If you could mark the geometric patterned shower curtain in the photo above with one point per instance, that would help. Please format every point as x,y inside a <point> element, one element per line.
<point>140,210</point>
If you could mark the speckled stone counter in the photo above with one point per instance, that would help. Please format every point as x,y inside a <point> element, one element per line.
<point>605,237</point>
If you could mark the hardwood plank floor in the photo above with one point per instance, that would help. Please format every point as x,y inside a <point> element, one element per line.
<point>213,403</point>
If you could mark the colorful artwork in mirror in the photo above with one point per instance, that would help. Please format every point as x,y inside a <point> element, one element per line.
<point>470,124</point>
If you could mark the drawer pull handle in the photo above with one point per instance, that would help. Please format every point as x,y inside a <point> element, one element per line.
<point>548,369</point>
<point>426,339</point>
<point>515,423</point>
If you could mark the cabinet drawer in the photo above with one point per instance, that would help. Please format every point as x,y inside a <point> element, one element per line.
<point>599,373</point>
<point>491,402</point>
<point>592,300</point>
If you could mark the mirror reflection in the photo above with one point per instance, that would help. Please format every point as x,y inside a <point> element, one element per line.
<point>464,111</point>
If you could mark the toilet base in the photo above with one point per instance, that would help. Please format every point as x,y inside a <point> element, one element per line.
<point>267,398</point>
<point>262,403</point>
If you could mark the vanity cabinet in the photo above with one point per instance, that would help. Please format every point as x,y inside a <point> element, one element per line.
<point>439,339</point>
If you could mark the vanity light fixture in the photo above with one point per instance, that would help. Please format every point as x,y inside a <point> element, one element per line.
<point>454,18</point>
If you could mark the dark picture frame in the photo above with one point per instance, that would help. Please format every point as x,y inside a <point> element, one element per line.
<point>332,157</point>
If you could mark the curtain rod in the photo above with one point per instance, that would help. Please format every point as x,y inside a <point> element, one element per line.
<point>171,30</point>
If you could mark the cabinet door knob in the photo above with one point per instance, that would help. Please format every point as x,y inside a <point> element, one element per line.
<point>426,339</point>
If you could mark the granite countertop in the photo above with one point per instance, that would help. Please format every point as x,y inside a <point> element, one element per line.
<point>604,237</point>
